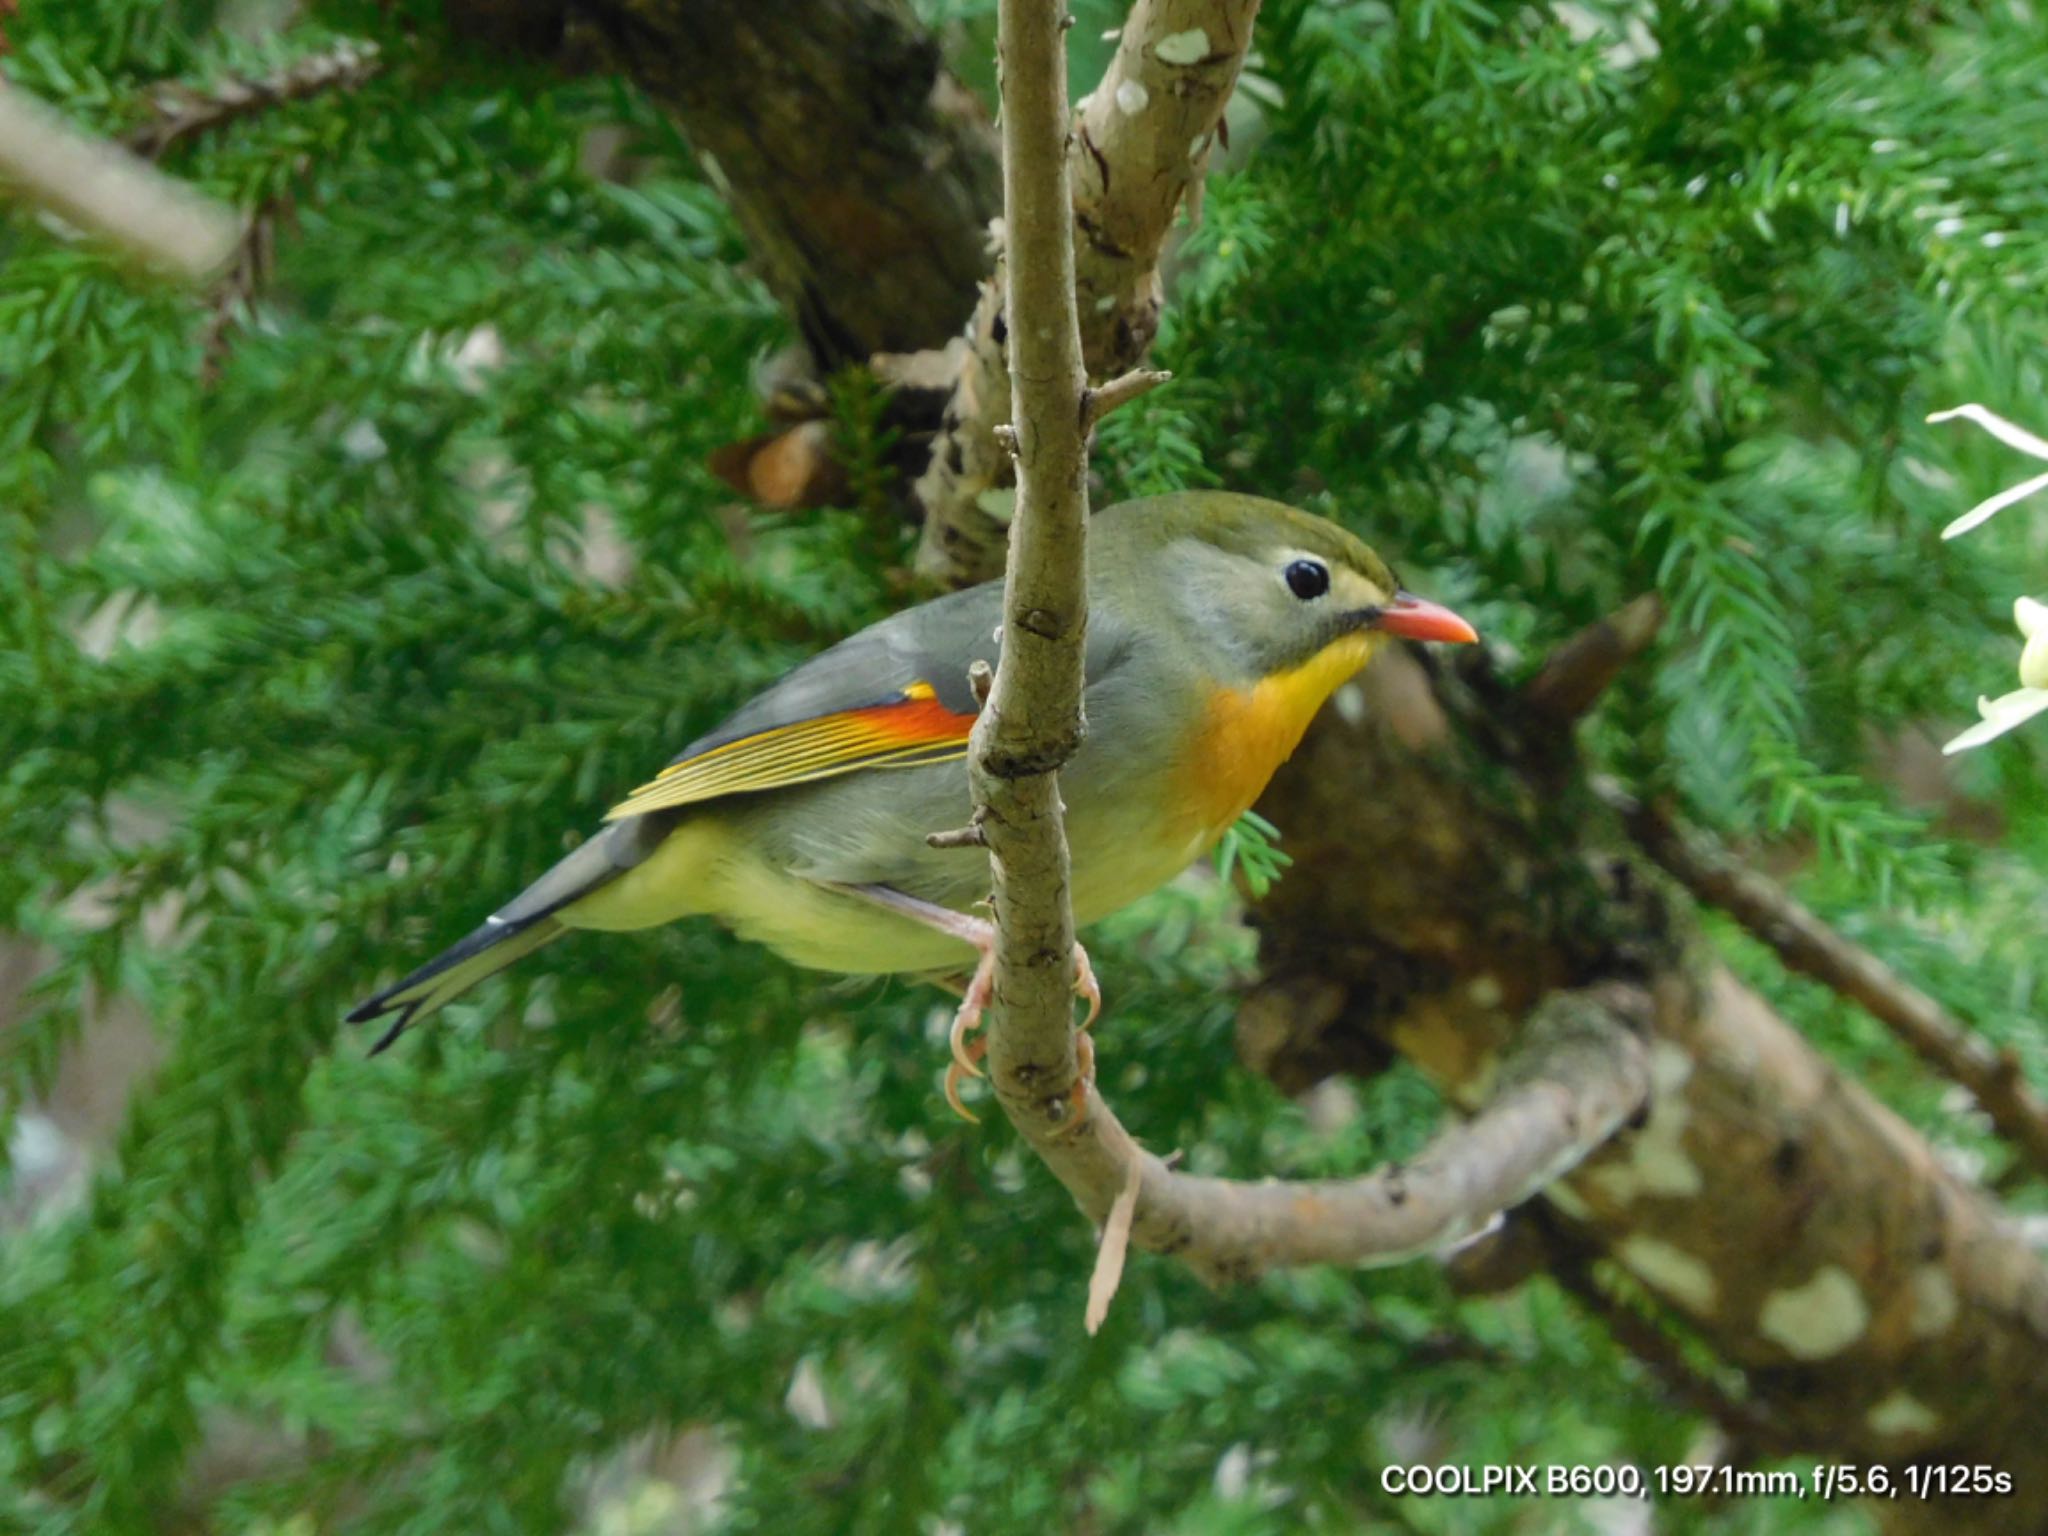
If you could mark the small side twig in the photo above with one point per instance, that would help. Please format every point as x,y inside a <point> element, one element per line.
<point>1111,1251</point>
<point>184,111</point>
<point>249,268</point>
<point>1809,946</point>
<point>1120,391</point>
<point>970,836</point>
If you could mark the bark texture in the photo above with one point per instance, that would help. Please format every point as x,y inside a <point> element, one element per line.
<point>862,172</point>
<point>1032,722</point>
<point>1453,869</point>
<point>1140,146</point>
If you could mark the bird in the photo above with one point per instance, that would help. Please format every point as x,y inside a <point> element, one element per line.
<point>1217,625</point>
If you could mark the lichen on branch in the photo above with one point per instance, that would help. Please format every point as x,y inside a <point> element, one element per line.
<point>1140,145</point>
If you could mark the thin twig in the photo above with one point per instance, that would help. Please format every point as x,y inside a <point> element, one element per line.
<point>249,268</point>
<point>1809,946</point>
<point>1121,391</point>
<point>184,111</point>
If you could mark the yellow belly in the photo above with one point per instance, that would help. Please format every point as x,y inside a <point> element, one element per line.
<point>679,879</point>
<point>704,869</point>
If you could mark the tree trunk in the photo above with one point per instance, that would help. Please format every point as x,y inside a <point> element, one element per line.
<point>1452,868</point>
<point>862,172</point>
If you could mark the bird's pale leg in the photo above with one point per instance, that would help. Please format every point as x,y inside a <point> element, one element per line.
<point>980,934</point>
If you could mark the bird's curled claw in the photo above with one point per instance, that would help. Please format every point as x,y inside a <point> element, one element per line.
<point>967,1053</point>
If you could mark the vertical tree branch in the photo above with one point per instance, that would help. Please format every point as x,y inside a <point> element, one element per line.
<point>1141,143</point>
<point>1033,721</point>
<point>1583,1073</point>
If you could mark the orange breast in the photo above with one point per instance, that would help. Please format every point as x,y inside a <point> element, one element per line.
<point>1247,733</point>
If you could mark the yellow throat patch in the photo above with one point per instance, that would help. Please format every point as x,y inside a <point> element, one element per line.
<point>1247,733</point>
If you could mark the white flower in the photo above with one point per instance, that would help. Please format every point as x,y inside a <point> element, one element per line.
<point>2000,715</point>
<point>2030,698</point>
<point>2032,618</point>
<point>2013,437</point>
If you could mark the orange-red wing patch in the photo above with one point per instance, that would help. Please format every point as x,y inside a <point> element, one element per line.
<point>903,732</point>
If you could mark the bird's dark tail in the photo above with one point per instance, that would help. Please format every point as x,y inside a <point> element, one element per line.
<point>454,971</point>
<point>518,928</point>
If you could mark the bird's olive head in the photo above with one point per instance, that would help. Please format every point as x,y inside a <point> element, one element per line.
<point>1266,589</point>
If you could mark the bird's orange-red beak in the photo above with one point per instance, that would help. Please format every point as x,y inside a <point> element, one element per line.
<point>1416,618</point>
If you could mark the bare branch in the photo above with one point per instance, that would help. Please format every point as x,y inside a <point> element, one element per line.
<point>1032,721</point>
<point>183,111</point>
<point>101,190</point>
<point>1121,391</point>
<point>1808,945</point>
<point>1142,142</point>
<point>1575,674</point>
<point>1578,1073</point>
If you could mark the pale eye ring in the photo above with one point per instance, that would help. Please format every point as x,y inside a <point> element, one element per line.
<point>1308,579</point>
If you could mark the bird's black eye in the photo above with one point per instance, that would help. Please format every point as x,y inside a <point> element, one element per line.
<point>1308,579</point>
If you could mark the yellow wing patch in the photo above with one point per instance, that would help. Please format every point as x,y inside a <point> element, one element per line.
<point>903,732</point>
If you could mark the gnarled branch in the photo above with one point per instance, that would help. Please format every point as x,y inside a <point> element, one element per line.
<point>1807,945</point>
<point>1142,141</point>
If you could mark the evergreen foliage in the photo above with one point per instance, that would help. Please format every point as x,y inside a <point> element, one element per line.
<point>302,666</point>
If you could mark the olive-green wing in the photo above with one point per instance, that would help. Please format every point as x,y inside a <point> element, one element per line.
<point>907,728</point>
